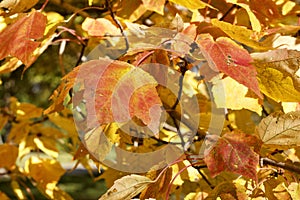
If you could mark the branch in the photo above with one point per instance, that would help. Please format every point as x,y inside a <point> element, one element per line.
<point>290,167</point>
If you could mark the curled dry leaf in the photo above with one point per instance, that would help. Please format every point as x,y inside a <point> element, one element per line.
<point>127,187</point>
<point>280,129</point>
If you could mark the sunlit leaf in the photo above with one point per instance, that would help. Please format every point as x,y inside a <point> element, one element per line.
<point>156,6</point>
<point>192,5</point>
<point>228,57</point>
<point>280,129</point>
<point>44,171</point>
<point>122,92</point>
<point>256,25</point>
<point>233,153</point>
<point>99,27</point>
<point>126,187</point>
<point>243,35</point>
<point>230,94</point>
<point>277,74</point>
<point>20,39</point>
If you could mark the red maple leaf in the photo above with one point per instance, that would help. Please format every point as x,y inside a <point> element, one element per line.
<point>229,58</point>
<point>233,152</point>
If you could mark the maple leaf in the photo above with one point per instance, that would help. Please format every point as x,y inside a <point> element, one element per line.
<point>228,57</point>
<point>280,129</point>
<point>233,153</point>
<point>116,91</point>
<point>20,38</point>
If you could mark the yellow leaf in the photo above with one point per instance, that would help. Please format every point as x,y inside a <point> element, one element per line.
<point>280,129</point>
<point>290,106</point>
<point>243,120</point>
<point>154,5</point>
<point>253,19</point>
<point>44,171</point>
<point>277,85</point>
<point>9,65</point>
<point>28,111</point>
<point>8,155</point>
<point>294,190</point>
<point>235,96</point>
<point>127,187</point>
<point>47,146</point>
<point>19,132</point>
<point>277,74</point>
<point>287,7</point>
<point>242,35</point>
<point>191,5</point>
<point>53,20</point>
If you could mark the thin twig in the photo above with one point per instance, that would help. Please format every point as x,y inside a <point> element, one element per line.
<point>112,14</point>
<point>290,167</point>
<point>44,5</point>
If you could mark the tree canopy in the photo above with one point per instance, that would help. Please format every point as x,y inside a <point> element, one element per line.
<point>167,99</point>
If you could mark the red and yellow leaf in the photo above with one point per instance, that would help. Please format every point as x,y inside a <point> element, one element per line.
<point>228,57</point>
<point>19,39</point>
<point>116,91</point>
<point>233,152</point>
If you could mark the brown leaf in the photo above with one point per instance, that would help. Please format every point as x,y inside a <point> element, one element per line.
<point>280,129</point>
<point>20,38</point>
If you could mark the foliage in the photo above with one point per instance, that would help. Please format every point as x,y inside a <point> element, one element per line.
<point>168,99</point>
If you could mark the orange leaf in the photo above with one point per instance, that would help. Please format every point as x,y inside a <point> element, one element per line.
<point>228,57</point>
<point>233,153</point>
<point>19,39</point>
<point>99,27</point>
<point>116,91</point>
